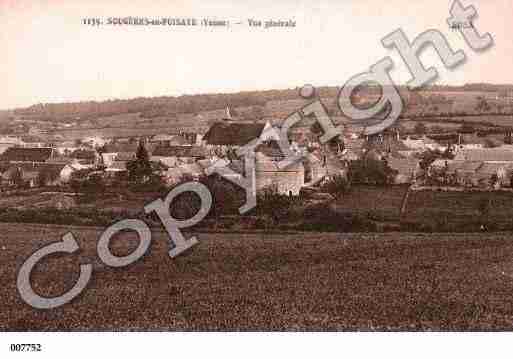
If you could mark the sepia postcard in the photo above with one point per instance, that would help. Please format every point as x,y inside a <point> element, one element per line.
<point>255,166</point>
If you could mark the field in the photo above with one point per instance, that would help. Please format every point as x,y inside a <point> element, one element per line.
<point>445,210</point>
<point>392,281</point>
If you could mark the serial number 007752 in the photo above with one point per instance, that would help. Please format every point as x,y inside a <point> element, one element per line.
<point>25,347</point>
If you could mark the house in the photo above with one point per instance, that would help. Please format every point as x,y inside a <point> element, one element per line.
<point>37,174</point>
<point>28,155</point>
<point>17,176</point>
<point>288,180</point>
<point>94,141</point>
<point>122,152</point>
<point>234,134</point>
<point>125,157</point>
<point>66,147</point>
<point>268,174</point>
<point>111,150</point>
<point>169,140</point>
<point>315,166</point>
<point>172,156</point>
<point>85,157</point>
<point>187,170</point>
<point>32,141</point>
<point>116,168</point>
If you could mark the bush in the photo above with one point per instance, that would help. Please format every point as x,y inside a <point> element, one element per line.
<point>337,186</point>
<point>325,219</point>
<point>79,217</point>
<point>371,171</point>
<point>274,205</point>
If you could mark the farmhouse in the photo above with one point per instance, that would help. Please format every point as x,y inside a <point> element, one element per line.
<point>116,168</point>
<point>233,134</point>
<point>174,155</point>
<point>94,141</point>
<point>268,174</point>
<point>169,140</point>
<point>112,150</point>
<point>28,155</point>
<point>85,157</point>
<point>37,174</point>
<point>288,180</point>
<point>66,147</point>
<point>122,152</point>
<point>315,164</point>
<point>185,171</point>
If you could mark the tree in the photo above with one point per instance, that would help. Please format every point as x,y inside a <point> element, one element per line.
<point>226,196</point>
<point>88,185</point>
<point>140,169</point>
<point>17,177</point>
<point>429,156</point>
<point>420,128</point>
<point>494,180</point>
<point>272,205</point>
<point>337,186</point>
<point>482,105</point>
<point>46,176</point>
<point>371,171</point>
<point>336,144</point>
<point>484,207</point>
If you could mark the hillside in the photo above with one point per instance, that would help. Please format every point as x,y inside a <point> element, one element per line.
<point>195,113</point>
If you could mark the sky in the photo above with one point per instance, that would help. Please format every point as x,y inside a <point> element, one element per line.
<point>48,55</point>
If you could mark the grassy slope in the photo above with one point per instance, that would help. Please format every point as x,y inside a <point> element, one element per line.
<point>271,282</point>
<point>384,203</point>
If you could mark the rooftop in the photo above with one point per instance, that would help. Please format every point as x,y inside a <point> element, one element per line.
<point>233,133</point>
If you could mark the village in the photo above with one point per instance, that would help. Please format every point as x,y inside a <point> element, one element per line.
<point>420,158</point>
